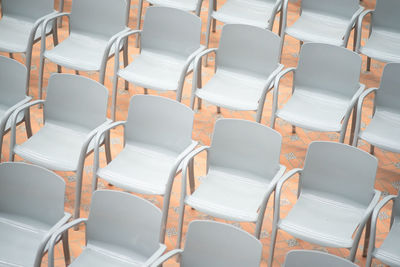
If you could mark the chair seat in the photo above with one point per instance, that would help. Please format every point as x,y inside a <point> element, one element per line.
<point>187,5</point>
<point>14,34</point>
<point>322,221</point>
<point>141,169</point>
<point>233,91</point>
<point>80,52</point>
<point>3,110</point>
<point>19,241</point>
<point>99,258</point>
<point>54,147</point>
<point>314,111</point>
<point>249,12</point>
<point>383,131</point>
<point>318,28</point>
<point>229,196</point>
<point>154,71</point>
<point>389,251</point>
<point>383,46</point>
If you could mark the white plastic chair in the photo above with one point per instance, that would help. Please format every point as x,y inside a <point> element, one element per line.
<point>303,258</point>
<point>170,41</point>
<point>186,5</point>
<point>383,42</point>
<point>157,137</point>
<point>122,231</point>
<point>12,95</point>
<point>384,129</point>
<point>389,251</point>
<point>94,27</point>
<point>210,243</point>
<point>336,197</point>
<point>19,26</point>
<point>325,89</point>
<point>242,171</point>
<point>325,21</point>
<point>259,13</point>
<point>31,210</point>
<point>247,62</point>
<point>74,110</point>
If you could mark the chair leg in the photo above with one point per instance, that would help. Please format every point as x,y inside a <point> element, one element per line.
<point>293,129</point>
<point>191,177</point>
<point>280,22</point>
<point>218,110</point>
<point>139,21</point>
<point>145,91</point>
<point>1,144</point>
<point>55,42</point>
<point>11,55</point>
<point>353,124</point>
<point>114,97</point>
<point>41,69</point>
<point>199,102</point>
<point>368,64</point>
<point>126,62</point>
<point>272,245</point>
<point>65,243</point>
<point>372,150</point>
<point>28,126</point>
<point>78,194</point>
<point>207,38</point>
<point>107,147</point>
<point>366,237</point>
<point>180,225</point>
<point>77,72</point>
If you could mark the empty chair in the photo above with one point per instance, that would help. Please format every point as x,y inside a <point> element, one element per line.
<point>19,27</point>
<point>389,251</point>
<point>259,13</point>
<point>247,62</point>
<point>31,210</point>
<point>384,128</point>
<point>186,5</point>
<point>210,243</point>
<point>325,89</point>
<point>122,230</point>
<point>383,43</point>
<point>302,258</point>
<point>12,95</point>
<point>94,26</point>
<point>336,197</point>
<point>170,40</point>
<point>74,110</point>
<point>242,171</point>
<point>325,21</point>
<point>157,137</point>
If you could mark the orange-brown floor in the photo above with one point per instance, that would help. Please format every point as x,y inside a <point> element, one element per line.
<point>292,155</point>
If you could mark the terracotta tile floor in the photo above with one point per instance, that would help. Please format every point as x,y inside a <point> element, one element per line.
<point>293,149</point>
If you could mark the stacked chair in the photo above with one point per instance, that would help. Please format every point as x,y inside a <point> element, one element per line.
<point>337,202</point>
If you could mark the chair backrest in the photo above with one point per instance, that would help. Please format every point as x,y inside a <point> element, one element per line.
<point>338,8</point>
<point>171,30</point>
<point>388,95</point>
<point>160,122</point>
<point>13,77</point>
<point>210,243</point>
<point>328,69</point>
<point>386,15</point>
<point>119,220</point>
<point>249,49</point>
<point>336,170</point>
<point>32,192</point>
<point>245,146</point>
<point>99,17</point>
<point>75,100</point>
<point>301,258</point>
<point>33,9</point>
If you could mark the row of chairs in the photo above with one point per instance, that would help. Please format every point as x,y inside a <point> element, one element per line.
<point>123,229</point>
<point>170,40</point>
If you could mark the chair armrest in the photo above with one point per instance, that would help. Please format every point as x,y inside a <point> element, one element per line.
<point>8,113</point>
<point>44,26</point>
<point>359,27</point>
<point>96,145</point>
<point>13,123</point>
<point>276,90</point>
<point>359,110</point>
<point>350,107</point>
<point>57,234</point>
<point>36,25</point>
<point>268,85</point>
<point>156,255</point>
<point>278,191</point>
<point>121,37</point>
<point>166,257</point>
<point>352,23</point>
<point>110,42</point>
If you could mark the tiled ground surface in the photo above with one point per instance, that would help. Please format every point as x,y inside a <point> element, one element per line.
<point>292,155</point>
